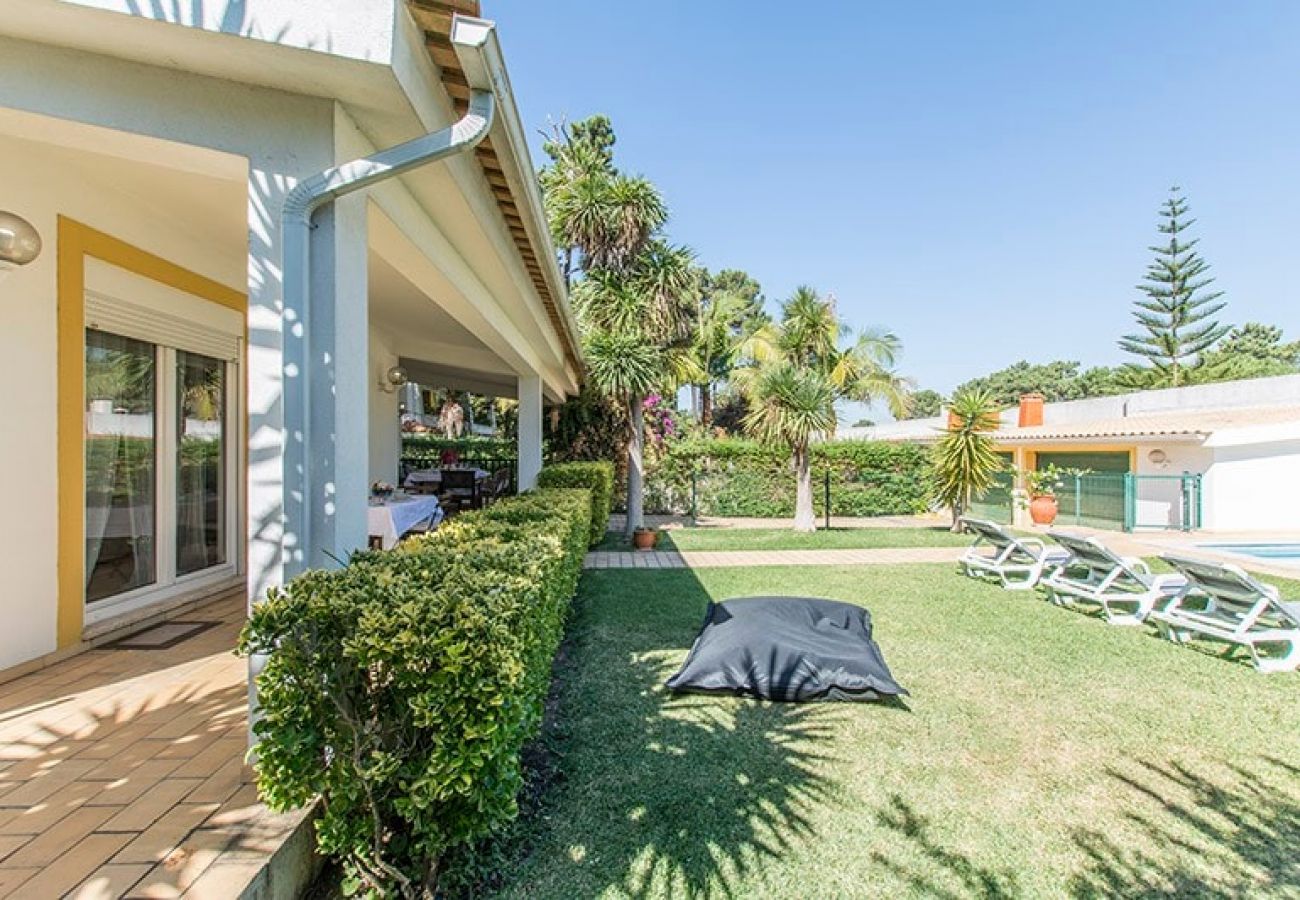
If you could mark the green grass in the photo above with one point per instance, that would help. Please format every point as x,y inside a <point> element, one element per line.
<point>1042,754</point>
<point>787,539</point>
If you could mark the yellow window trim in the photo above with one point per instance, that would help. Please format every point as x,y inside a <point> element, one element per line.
<point>76,242</point>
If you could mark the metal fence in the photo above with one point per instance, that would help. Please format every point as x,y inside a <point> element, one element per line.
<point>1117,501</point>
<point>432,459</point>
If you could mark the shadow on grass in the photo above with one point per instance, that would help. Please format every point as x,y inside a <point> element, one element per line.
<point>662,795</point>
<point>1236,836</point>
<point>913,830</point>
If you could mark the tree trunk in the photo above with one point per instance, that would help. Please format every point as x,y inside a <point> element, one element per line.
<point>635,465</point>
<point>706,405</point>
<point>805,519</point>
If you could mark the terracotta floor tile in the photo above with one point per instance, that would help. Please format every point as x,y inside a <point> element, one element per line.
<point>12,879</point>
<point>109,882</point>
<point>163,836</point>
<point>45,848</point>
<point>74,866</point>
<point>148,808</point>
<point>40,817</point>
<point>135,783</point>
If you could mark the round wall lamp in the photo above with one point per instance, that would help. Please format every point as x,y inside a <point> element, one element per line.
<point>393,379</point>
<point>1158,458</point>
<point>20,243</point>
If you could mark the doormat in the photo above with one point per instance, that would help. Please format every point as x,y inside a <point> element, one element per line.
<point>163,635</point>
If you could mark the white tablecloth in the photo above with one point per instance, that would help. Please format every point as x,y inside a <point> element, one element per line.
<point>395,517</point>
<point>434,476</point>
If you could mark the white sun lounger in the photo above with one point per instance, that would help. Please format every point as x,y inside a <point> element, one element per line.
<point>1017,562</point>
<point>1122,586</point>
<point>1223,602</point>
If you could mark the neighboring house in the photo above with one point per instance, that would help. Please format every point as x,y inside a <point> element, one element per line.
<point>204,391</point>
<point>1217,456</point>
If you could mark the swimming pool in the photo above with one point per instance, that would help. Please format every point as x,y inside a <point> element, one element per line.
<point>1288,554</point>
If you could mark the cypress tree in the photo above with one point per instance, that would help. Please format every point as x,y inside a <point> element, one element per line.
<point>1178,311</point>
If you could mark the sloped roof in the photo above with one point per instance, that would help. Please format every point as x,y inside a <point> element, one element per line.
<point>435,18</point>
<point>1189,424</point>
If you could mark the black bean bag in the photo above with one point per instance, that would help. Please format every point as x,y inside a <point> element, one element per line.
<point>786,648</point>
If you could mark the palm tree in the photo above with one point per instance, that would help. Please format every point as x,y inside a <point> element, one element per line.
<point>636,324</point>
<point>599,217</point>
<point>965,463</point>
<point>729,310</point>
<point>802,366</point>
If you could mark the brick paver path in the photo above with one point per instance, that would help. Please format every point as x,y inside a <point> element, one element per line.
<point>697,559</point>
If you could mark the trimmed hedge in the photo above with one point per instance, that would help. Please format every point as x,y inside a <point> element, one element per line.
<point>745,478</point>
<point>401,688</point>
<point>471,446</point>
<point>597,477</point>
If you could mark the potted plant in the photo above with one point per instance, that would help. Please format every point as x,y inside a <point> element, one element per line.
<point>644,538</point>
<point>1040,485</point>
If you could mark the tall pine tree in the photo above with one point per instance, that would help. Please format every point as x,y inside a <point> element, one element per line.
<point>1178,311</point>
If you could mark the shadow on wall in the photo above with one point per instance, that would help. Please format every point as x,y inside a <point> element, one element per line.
<point>232,19</point>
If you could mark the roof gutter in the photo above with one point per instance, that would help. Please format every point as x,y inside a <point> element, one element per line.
<point>296,217</point>
<point>478,49</point>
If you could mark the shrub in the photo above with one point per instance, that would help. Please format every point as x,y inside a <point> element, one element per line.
<point>744,478</point>
<point>401,688</point>
<point>597,477</point>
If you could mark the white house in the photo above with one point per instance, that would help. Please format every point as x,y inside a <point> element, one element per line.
<point>197,362</point>
<point>1224,457</point>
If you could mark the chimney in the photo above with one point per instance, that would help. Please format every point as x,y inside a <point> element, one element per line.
<point>1031,410</point>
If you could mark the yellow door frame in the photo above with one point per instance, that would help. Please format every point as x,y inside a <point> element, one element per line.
<point>76,243</point>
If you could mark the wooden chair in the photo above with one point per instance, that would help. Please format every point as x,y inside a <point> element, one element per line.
<point>460,490</point>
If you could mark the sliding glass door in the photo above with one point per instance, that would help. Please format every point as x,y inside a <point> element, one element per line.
<point>160,476</point>
<point>121,464</point>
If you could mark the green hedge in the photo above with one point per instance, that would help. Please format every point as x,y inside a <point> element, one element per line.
<point>401,688</point>
<point>744,478</point>
<point>427,449</point>
<point>597,477</point>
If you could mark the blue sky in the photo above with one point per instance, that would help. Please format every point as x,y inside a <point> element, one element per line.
<point>981,178</point>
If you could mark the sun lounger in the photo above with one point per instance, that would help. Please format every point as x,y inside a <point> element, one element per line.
<point>1017,562</point>
<point>1222,602</point>
<point>1121,586</point>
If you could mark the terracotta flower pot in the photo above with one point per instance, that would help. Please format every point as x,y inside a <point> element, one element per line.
<point>1043,509</point>
<point>644,538</point>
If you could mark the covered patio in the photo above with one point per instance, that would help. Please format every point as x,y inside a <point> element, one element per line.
<point>122,773</point>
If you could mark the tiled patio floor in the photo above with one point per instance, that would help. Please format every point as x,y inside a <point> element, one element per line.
<point>122,775</point>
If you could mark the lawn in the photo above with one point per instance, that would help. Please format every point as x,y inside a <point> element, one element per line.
<point>1042,753</point>
<point>788,539</point>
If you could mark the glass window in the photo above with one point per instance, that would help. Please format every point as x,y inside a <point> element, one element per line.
<point>200,462</point>
<point>121,450</point>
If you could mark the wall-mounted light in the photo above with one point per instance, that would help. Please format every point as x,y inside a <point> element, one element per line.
<point>1159,458</point>
<point>393,379</point>
<point>20,243</point>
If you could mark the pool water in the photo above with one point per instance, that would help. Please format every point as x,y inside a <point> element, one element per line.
<point>1288,553</point>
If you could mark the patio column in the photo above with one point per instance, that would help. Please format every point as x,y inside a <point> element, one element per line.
<point>1019,512</point>
<point>338,451</point>
<point>530,430</point>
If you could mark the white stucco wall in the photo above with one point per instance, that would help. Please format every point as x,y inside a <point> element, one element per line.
<point>1254,487</point>
<point>28,360</point>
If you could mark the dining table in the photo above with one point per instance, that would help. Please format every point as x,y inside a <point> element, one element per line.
<point>391,518</point>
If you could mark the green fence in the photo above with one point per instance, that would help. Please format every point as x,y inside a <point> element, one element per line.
<point>1118,501</point>
<point>997,504</point>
